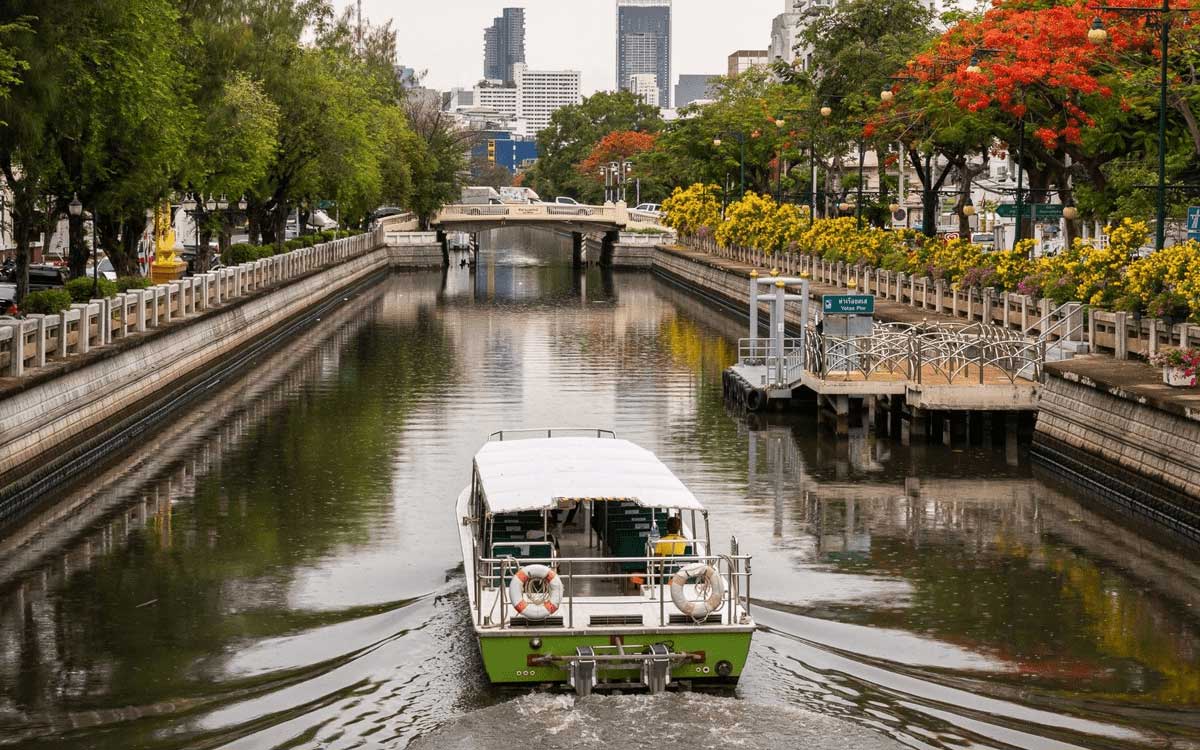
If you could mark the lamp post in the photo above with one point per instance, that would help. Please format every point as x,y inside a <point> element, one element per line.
<point>781,124</point>
<point>75,208</point>
<point>1097,35</point>
<point>741,139</point>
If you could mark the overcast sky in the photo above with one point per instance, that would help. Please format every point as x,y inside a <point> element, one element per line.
<point>445,37</point>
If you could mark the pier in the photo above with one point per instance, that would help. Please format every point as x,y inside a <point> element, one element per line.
<point>935,379</point>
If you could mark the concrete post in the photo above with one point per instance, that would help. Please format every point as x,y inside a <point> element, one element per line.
<point>925,293</point>
<point>987,306</point>
<point>43,323</point>
<point>1152,341</point>
<point>912,291</point>
<point>1075,322</point>
<point>170,296</point>
<point>64,341</point>
<point>1007,309</point>
<point>939,291</point>
<point>1091,334</point>
<point>16,348</point>
<point>1044,309</point>
<point>1120,337</point>
<point>84,342</point>
<point>899,285</point>
<point>970,304</point>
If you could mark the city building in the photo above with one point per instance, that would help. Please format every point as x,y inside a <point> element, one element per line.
<point>541,92</point>
<point>457,99</point>
<point>504,45</point>
<point>644,44</point>
<point>534,96</point>
<point>785,32</point>
<point>499,99</point>
<point>693,87</point>
<point>505,149</point>
<point>645,85</point>
<point>745,59</point>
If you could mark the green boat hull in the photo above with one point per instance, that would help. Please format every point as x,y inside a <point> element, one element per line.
<point>508,658</point>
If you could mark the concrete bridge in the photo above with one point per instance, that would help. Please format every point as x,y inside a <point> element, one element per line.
<point>568,218</point>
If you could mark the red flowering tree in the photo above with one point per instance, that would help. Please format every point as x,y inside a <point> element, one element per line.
<point>614,147</point>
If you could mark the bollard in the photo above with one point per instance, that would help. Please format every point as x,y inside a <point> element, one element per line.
<point>1120,337</point>
<point>43,324</point>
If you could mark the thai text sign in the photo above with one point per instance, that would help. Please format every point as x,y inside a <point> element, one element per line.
<point>1037,210</point>
<point>848,304</point>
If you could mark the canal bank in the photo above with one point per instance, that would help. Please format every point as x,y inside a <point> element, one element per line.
<point>1099,419</point>
<point>111,368</point>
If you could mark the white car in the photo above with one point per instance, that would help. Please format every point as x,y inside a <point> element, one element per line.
<point>563,200</point>
<point>649,208</point>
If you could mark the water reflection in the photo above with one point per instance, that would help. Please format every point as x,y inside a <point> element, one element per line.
<point>278,566</point>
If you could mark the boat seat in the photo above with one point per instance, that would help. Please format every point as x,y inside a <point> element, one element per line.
<point>539,550</point>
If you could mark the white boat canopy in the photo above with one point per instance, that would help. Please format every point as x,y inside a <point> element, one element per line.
<point>549,473</point>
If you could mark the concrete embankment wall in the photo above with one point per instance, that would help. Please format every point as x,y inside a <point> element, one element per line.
<point>1140,454</point>
<point>48,421</point>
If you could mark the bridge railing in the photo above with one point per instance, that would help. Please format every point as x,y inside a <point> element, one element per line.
<point>533,212</point>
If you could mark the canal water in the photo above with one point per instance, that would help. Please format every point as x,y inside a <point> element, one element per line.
<point>278,567</point>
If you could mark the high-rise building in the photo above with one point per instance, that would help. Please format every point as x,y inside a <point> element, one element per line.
<point>694,88</point>
<point>645,85</point>
<point>541,92</point>
<point>785,30</point>
<point>745,59</point>
<point>644,44</point>
<point>504,45</point>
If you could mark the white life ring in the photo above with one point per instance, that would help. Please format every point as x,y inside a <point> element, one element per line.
<point>539,600</point>
<point>712,580</point>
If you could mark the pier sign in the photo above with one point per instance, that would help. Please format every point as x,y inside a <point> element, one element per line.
<point>848,304</point>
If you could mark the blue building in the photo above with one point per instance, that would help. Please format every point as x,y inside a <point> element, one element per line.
<point>499,147</point>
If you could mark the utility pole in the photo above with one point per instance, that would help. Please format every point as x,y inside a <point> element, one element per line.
<point>360,28</point>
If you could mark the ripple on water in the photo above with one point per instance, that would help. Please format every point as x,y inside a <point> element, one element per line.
<point>615,722</point>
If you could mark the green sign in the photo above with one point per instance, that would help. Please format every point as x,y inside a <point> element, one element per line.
<point>848,304</point>
<point>1037,210</point>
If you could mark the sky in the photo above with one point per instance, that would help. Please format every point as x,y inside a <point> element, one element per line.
<point>445,37</point>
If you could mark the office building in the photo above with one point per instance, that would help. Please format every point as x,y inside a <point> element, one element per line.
<point>534,96</point>
<point>693,88</point>
<point>644,44</point>
<point>505,149</point>
<point>645,85</point>
<point>504,45</point>
<point>785,31</point>
<point>457,99</point>
<point>541,92</point>
<point>745,59</point>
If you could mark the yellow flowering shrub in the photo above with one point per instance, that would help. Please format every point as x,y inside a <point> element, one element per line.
<point>688,210</point>
<point>752,222</point>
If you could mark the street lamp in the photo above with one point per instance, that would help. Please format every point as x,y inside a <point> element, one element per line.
<point>741,139</point>
<point>1097,35</point>
<point>1070,213</point>
<point>886,95</point>
<point>781,124</point>
<point>968,207</point>
<point>75,208</point>
<point>844,207</point>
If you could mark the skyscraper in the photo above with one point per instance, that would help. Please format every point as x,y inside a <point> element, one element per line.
<point>644,44</point>
<point>504,45</point>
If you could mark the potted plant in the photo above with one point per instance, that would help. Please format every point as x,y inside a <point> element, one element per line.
<point>1179,366</point>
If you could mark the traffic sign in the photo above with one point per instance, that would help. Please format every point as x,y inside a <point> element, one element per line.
<point>848,304</point>
<point>1193,224</point>
<point>1037,210</point>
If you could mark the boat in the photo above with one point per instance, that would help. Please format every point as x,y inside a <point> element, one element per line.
<point>559,531</point>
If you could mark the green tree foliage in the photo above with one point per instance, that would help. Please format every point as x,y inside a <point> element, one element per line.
<point>574,131</point>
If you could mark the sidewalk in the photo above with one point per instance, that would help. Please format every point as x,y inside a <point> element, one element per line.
<point>1132,380</point>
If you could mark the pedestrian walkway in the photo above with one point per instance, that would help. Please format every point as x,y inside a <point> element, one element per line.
<point>1130,379</point>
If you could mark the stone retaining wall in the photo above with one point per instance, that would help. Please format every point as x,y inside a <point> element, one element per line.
<point>1141,455</point>
<point>47,415</point>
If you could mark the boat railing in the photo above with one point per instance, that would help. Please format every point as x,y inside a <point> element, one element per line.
<point>551,432</point>
<point>734,569</point>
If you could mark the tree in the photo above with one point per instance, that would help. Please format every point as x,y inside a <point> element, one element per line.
<point>575,130</point>
<point>491,174</point>
<point>618,147</point>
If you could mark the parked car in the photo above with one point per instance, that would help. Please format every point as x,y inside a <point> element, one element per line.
<point>986,240</point>
<point>650,208</point>
<point>8,297</point>
<point>106,270</point>
<point>43,277</point>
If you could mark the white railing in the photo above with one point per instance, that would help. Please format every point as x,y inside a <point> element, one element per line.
<point>532,212</point>
<point>36,341</point>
